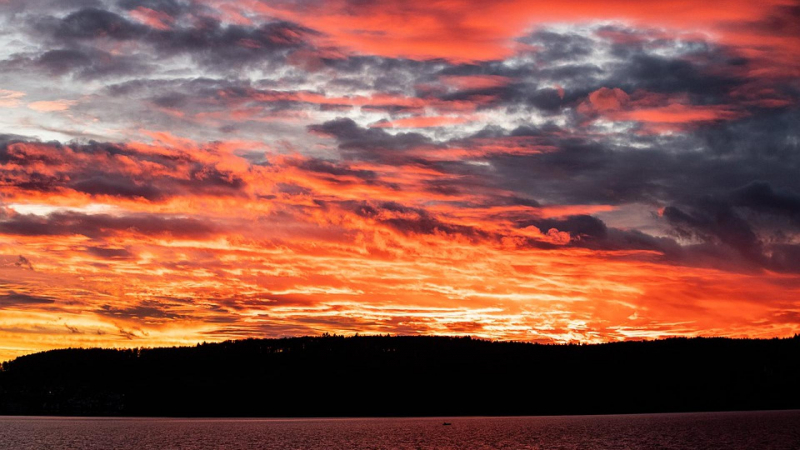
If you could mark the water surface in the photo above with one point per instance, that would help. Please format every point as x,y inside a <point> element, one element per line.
<point>730,430</point>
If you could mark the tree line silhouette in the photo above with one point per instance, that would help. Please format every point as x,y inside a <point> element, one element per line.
<point>405,376</point>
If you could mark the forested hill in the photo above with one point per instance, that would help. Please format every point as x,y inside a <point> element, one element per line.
<point>400,376</point>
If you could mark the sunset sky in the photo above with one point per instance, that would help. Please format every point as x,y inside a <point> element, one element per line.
<point>179,171</point>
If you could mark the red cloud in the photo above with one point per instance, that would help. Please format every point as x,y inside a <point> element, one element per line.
<point>659,111</point>
<point>311,242</point>
<point>468,31</point>
<point>154,19</point>
<point>605,99</point>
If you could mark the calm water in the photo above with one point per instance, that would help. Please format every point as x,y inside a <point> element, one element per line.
<point>737,430</point>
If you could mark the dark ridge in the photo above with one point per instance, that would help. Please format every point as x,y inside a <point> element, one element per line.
<point>405,376</point>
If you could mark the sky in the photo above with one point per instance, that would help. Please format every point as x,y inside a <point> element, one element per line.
<point>181,171</point>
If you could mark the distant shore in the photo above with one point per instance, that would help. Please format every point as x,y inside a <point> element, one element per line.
<point>404,376</point>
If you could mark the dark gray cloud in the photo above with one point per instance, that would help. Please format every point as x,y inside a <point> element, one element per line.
<point>90,23</point>
<point>559,47</point>
<point>75,38</point>
<point>102,225</point>
<point>82,62</point>
<point>146,311</point>
<point>17,299</point>
<point>20,7</point>
<point>715,203</point>
<point>337,171</point>
<point>97,171</point>
<point>582,227</point>
<point>761,196</point>
<point>757,222</point>
<point>717,224</point>
<point>671,75</point>
<point>208,41</point>
<point>582,63</point>
<point>409,220</point>
<point>369,143</point>
<point>101,185</point>
<point>110,253</point>
<point>651,169</point>
<point>658,169</point>
<point>24,263</point>
<point>174,8</point>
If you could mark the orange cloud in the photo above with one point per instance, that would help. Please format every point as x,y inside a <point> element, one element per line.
<point>605,99</point>
<point>475,81</point>
<point>464,31</point>
<point>10,99</point>
<point>659,111</point>
<point>306,246</point>
<point>677,113</point>
<point>52,105</point>
<point>154,19</point>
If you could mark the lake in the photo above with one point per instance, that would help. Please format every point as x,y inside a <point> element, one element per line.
<point>728,430</point>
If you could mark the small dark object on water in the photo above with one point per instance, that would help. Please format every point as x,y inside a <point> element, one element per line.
<point>447,423</point>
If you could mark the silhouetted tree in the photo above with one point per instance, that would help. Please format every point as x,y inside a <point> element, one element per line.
<point>405,375</point>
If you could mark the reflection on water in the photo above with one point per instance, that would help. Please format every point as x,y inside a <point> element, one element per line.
<point>733,430</point>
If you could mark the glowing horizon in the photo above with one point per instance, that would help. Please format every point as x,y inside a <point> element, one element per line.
<point>179,171</point>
